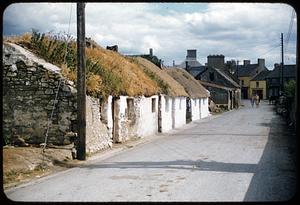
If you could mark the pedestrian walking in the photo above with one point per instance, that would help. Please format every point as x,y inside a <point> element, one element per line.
<point>257,100</point>
<point>252,99</point>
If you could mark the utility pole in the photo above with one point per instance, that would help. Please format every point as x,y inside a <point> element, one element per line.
<point>282,64</point>
<point>81,88</point>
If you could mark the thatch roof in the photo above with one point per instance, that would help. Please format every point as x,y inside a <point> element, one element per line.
<point>174,87</point>
<point>113,73</point>
<point>190,84</point>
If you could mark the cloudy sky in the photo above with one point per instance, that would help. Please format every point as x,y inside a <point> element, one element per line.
<point>238,31</point>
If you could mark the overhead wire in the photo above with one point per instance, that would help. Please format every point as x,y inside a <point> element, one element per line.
<point>59,84</point>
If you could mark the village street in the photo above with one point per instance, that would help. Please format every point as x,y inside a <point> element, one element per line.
<point>241,155</point>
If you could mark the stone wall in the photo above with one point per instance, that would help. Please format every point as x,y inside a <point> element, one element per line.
<point>29,90</point>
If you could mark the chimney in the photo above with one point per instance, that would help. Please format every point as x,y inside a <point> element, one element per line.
<point>191,54</point>
<point>173,63</point>
<point>151,52</point>
<point>246,62</point>
<point>261,62</point>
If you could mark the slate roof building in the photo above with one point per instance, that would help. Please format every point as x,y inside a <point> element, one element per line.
<point>274,78</point>
<point>246,72</point>
<point>191,64</point>
<point>258,84</point>
<point>224,90</point>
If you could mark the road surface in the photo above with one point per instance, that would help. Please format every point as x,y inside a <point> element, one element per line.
<point>241,155</point>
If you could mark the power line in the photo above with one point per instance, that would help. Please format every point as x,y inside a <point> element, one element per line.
<point>290,29</point>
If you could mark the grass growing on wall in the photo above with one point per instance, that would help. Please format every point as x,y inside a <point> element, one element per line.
<point>108,72</point>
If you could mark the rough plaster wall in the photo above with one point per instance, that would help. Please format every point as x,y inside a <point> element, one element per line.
<point>179,114</point>
<point>97,134</point>
<point>195,109</point>
<point>204,108</point>
<point>148,120</point>
<point>166,114</point>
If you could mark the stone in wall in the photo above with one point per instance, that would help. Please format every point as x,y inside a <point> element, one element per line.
<point>30,85</point>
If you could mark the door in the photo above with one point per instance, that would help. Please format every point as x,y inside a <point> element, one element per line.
<point>188,110</point>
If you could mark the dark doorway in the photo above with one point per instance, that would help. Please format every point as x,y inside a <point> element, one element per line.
<point>188,110</point>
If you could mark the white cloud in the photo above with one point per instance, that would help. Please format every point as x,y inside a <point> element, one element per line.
<point>235,30</point>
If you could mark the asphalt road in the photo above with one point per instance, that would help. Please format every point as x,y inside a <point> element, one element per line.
<point>241,155</point>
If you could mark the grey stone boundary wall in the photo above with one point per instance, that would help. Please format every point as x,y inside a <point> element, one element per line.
<point>29,89</point>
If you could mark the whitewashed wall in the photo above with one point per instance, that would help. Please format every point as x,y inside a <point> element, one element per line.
<point>204,111</point>
<point>166,113</point>
<point>143,123</point>
<point>178,112</point>
<point>195,109</point>
<point>147,119</point>
<point>97,134</point>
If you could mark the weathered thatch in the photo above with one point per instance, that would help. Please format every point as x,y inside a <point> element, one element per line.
<point>108,73</point>
<point>190,84</point>
<point>174,88</point>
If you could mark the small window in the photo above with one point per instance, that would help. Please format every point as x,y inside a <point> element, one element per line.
<point>130,108</point>
<point>180,104</point>
<point>257,84</point>
<point>153,105</point>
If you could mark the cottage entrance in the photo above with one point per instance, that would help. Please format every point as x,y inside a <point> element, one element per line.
<point>244,93</point>
<point>115,117</point>
<point>188,110</point>
<point>159,113</point>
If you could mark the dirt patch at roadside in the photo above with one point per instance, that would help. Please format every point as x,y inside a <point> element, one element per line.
<point>22,164</point>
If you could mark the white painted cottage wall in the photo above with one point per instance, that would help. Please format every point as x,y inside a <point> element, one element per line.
<point>97,136</point>
<point>166,113</point>
<point>147,120</point>
<point>195,109</point>
<point>179,111</point>
<point>204,111</point>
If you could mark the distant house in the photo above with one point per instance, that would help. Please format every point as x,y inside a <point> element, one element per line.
<point>273,79</point>
<point>246,72</point>
<point>196,104</point>
<point>224,90</point>
<point>191,64</point>
<point>258,84</point>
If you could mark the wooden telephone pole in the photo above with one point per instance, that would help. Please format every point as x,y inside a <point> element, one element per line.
<point>282,64</point>
<point>81,88</point>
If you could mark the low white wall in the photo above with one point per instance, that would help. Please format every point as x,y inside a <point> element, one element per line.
<point>166,113</point>
<point>143,119</point>
<point>97,135</point>
<point>195,105</point>
<point>148,118</point>
<point>178,112</point>
<point>204,111</point>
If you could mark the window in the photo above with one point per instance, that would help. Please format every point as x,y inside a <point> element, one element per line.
<point>130,108</point>
<point>153,105</point>
<point>195,102</point>
<point>211,76</point>
<point>180,104</point>
<point>242,82</point>
<point>257,84</point>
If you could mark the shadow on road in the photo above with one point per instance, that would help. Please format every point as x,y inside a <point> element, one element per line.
<point>275,178</point>
<point>199,165</point>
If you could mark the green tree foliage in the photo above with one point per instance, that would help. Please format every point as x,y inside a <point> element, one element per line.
<point>290,88</point>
